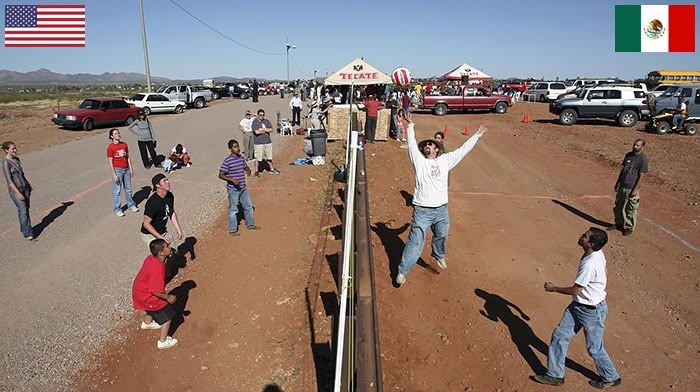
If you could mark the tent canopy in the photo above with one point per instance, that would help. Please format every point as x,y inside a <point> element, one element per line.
<point>358,72</point>
<point>466,69</point>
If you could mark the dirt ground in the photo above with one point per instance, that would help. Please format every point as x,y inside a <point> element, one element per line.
<point>257,315</point>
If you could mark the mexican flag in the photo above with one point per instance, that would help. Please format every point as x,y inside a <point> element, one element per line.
<point>655,28</point>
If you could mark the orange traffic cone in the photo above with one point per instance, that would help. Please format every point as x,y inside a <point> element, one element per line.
<point>446,130</point>
<point>526,118</point>
<point>466,130</point>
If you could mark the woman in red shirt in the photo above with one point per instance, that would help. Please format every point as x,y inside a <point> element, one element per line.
<point>122,171</point>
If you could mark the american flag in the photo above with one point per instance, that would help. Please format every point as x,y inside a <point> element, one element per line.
<point>45,26</point>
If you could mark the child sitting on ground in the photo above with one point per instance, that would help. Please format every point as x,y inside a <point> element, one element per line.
<point>177,159</point>
<point>148,293</point>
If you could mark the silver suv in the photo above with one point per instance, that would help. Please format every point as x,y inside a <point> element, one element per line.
<point>625,104</point>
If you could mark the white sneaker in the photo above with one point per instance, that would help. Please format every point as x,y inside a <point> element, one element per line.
<point>167,343</point>
<point>134,208</point>
<point>152,325</point>
<point>400,279</point>
<point>120,213</point>
<point>442,263</point>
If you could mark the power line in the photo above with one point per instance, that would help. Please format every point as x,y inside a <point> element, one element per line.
<point>298,67</point>
<point>222,34</point>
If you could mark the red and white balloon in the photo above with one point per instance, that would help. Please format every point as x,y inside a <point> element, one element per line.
<point>401,76</point>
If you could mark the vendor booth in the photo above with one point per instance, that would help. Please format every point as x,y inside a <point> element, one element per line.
<point>472,74</point>
<point>356,73</point>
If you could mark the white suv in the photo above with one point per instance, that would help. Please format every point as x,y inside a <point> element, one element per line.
<point>544,91</point>
<point>623,103</point>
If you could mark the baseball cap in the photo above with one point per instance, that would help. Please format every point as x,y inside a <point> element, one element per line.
<point>156,179</point>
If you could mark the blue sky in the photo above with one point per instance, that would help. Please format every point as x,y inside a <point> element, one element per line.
<point>504,38</point>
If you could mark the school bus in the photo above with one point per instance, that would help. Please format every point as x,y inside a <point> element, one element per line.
<point>654,78</point>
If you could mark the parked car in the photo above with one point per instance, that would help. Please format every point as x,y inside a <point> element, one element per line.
<point>97,112</point>
<point>156,103</point>
<point>669,98</point>
<point>192,96</point>
<point>473,98</point>
<point>624,103</point>
<point>545,91</point>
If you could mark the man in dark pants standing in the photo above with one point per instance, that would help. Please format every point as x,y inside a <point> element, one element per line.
<point>627,188</point>
<point>254,93</point>
<point>296,103</point>
<point>372,107</point>
<point>588,310</point>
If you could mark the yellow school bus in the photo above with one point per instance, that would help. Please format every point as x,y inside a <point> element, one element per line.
<point>655,78</point>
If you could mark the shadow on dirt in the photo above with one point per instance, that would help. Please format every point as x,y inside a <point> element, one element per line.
<point>50,217</point>
<point>179,259</point>
<point>182,292</point>
<point>141,195</point>
<point>272,388</point>
<point>582,214</point>
<point>497,308</point>
<point>322,352</point>
<point>408,198</point>
<point>393,246</point>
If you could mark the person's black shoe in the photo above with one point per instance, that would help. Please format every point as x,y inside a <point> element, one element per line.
<point>627,232</point>
<point>600,384</point>
<point>549,380</point>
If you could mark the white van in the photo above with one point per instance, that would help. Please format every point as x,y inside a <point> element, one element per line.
<point>573,84</point>
<point>544,91</point>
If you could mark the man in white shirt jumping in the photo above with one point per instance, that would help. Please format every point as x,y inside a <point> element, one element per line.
<point>430,197</point>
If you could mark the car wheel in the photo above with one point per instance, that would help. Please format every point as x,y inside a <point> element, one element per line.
<point>146,110</point>
<point>178,109</point>
<point>501,107</point>
<point>215,96</point>
<point>690,129</point>
<point>88,124</point>
<point>663,127</point>
<point>568,117</point>
<point>649,126</point>
<point>244,96</point>
<point>440,109</point>
<point>627,118</point>
<point>129,120</point>
<point>199,103</point>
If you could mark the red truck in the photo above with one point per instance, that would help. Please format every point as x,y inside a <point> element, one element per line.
<point>472,98</point>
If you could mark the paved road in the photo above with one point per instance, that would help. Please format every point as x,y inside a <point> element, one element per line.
<point>61,295</point>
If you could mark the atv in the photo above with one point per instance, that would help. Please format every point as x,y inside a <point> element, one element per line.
<point>662,123</point>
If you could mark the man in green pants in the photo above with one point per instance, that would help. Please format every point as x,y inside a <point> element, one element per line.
<point>627,188</point>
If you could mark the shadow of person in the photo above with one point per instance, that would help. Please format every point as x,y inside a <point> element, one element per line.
<point>393,245</point>
<point>142,194</point>
<point>272,388</point>
<point>50,217</point>
<point>179,259</point>
<point>496,309</point>
<point>182,292</point>
<point>408,198</point>
<point>582,214</point>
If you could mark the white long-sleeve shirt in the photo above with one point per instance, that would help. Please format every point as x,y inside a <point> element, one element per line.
<point>295,102</point>
<point>431,174</point>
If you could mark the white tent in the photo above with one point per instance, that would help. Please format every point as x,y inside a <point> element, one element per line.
<point>358,72</point>
<point>466,69</point>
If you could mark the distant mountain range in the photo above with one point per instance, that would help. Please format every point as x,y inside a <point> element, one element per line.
<point>44,76</point>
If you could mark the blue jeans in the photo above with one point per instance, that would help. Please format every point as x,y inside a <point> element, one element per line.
<point>234,197</point>
<point>438,220</point>
<point>592,321</point>
<point>124,178</point>
<point>25,223</point>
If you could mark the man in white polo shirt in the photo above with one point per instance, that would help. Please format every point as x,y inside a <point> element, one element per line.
<point>587,310</point>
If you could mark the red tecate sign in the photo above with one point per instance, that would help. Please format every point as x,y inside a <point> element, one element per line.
<point>358,76</point>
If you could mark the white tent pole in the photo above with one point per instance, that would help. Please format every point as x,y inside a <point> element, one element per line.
<point>347,138</point>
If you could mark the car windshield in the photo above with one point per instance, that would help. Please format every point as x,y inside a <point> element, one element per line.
<point>671,91</point>
<point>583,93</point>
<point>138,97</point>
<point>90,104</point>
<point>161,89</point>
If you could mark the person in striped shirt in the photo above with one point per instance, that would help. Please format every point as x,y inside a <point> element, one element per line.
<point>234,171</point>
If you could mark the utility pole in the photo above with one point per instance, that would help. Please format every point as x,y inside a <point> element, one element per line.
<point>289,46</point>
<point>145,47</point>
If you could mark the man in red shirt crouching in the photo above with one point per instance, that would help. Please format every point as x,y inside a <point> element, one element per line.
<point>148,293</point>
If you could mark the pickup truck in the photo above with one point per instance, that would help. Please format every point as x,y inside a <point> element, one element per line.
<point>472,98</point>
<point>192,96</point>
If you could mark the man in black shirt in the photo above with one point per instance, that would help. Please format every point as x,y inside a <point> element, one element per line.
<point>159,207</point>
<point>627,188</point>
